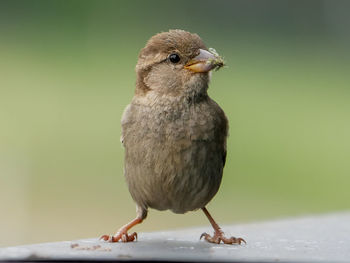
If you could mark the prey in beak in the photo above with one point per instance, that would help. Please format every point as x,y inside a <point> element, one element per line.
<point>205,61</point>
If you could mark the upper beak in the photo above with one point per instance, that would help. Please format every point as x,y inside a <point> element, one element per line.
<point>205,61</point>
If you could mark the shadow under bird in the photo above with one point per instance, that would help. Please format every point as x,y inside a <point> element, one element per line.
<point>174,134</point>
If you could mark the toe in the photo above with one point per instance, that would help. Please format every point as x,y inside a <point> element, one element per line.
<point>210,239</point>
<point>105,237</point>
<point>128,238</point>
<point>233,240</point>
<point>124,238</point>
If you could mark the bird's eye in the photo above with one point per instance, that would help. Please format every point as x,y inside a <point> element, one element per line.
<point>174,58</point>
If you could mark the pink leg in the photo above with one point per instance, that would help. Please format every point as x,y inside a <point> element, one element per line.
<point>122,233</point>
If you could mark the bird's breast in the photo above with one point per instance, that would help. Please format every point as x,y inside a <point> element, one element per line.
<point>173,155</point>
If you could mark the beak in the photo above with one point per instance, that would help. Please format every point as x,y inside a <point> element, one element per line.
<point>205,61</point>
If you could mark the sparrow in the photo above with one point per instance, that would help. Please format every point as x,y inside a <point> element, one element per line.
<point>173,133</point>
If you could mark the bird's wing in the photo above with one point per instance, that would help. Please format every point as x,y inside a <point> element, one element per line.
<point>126,118</point>
<point>224,158</point>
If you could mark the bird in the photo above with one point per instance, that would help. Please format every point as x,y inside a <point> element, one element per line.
<point>173,133</point>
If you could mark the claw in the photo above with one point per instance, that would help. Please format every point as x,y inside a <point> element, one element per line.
<point>203,235</point>
<point>240,240</point>
<point>134,236</point>
<point>105,238</point>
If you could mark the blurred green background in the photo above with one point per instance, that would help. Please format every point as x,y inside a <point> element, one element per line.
<point>67,72</point>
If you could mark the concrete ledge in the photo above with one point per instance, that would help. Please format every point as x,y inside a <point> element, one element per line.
<point>324,238</point>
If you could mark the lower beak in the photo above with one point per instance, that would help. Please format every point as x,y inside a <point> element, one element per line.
<point>205,61</point>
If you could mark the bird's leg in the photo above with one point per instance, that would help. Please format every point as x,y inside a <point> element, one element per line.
<point>218,233</point>
<point>122,233</point>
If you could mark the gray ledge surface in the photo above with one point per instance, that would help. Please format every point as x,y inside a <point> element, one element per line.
<point>324,238</point>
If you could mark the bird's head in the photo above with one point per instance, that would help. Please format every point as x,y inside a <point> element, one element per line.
<point>175,62</point>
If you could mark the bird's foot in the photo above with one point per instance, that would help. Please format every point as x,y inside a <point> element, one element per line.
<point>220,237</point>
<point>121,235</point>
